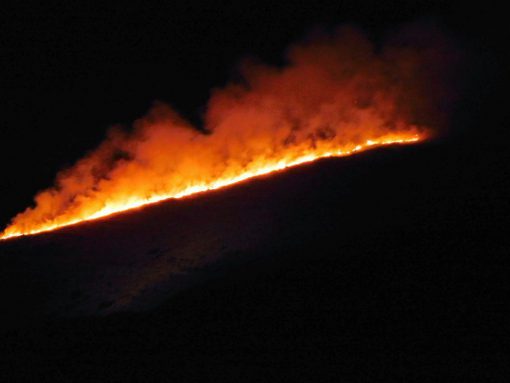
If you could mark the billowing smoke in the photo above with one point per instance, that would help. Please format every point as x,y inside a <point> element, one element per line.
<point>337,93</point>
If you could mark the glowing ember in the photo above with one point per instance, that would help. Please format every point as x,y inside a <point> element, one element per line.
<point>336,97</point>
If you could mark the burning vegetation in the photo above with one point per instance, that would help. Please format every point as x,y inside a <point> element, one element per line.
<point>337,95</point>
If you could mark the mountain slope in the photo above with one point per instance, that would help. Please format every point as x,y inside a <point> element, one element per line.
<point>387,265</point>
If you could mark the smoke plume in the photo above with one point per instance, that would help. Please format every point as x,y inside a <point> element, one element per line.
<point>337,93</point>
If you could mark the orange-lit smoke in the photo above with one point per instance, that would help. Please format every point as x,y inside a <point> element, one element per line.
<point>338,94</point>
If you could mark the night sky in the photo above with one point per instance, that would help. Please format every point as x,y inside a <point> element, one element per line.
<point>69,71</point>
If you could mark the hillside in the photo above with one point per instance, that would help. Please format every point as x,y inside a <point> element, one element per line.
<point>391,264</point>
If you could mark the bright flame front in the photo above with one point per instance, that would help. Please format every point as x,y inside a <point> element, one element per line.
<point>254,170</point>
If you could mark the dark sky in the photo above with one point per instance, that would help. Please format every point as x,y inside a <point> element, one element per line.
<point>69,72</point>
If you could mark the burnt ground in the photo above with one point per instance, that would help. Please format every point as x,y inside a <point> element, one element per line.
<point>391,265</point>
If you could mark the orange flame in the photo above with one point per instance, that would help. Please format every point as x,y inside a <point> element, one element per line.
<point>258,169</point>
<point>335,98</point>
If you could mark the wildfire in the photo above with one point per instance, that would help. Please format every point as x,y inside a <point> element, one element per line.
<point>337,96</point>
<point>255,170</point>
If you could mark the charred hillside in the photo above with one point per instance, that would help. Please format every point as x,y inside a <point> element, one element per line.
<point>388,262</point>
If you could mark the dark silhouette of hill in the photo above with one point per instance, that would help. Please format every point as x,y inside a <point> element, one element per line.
<point>391,265</point>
